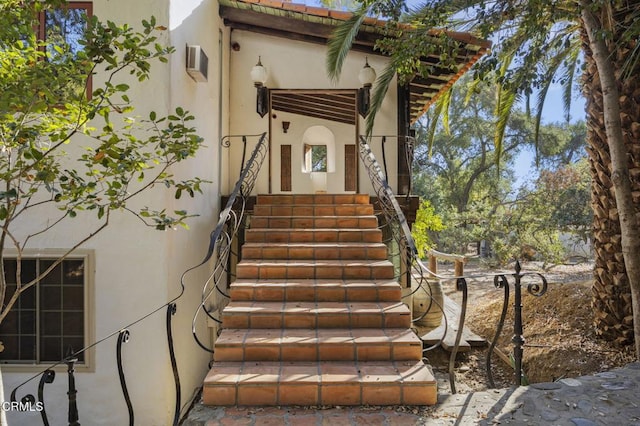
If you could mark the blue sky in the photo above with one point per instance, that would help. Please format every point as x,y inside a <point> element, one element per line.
<point>553,112</point>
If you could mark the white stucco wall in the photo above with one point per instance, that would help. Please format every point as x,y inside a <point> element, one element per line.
<point>295,65</point>
<point>136,268</point>
<point>196,22</point>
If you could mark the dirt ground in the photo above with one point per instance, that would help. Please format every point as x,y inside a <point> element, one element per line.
<point>559,338</point>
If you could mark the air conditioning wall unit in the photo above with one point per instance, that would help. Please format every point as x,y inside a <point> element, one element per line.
<point>197,63</point>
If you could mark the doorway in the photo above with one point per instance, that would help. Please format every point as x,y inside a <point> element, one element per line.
<point>313,139</point>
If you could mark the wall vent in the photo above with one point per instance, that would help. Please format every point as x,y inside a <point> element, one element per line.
<point>197,63</point>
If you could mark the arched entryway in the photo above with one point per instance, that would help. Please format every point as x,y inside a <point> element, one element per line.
<point>313,136</point>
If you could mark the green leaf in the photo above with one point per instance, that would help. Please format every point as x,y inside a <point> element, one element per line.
<point>342,39</point>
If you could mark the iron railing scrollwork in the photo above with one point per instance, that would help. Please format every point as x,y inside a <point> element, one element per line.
<point>403,253</point>
<point>231,221</point>
<point>220,244</point>
<point>171,311</point>
<point>226,143</point>
<point>123,337</point>
<point>409,143</point>
<point>47,378</point>
<point>48,374</point>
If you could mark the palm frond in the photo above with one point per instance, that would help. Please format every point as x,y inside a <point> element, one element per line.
<point>433,124</point>
<point>445,101</point>
<point>505,99</point>
<point>472,90</point>
<point>379,92</point>
<point>566,59</point>
<point>541,98</point>
<point>341,41</point>
<point>504,107</point>
<point>569,77</point>
<point>630,38</point>
<point>632,62</point>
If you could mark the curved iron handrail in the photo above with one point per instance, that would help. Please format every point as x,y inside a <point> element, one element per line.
<point>47,378</point>
<point>242,190</point>
<point>48,375</point>
<point>171,311</point>
<point>417,272</point>
<point>409,143</point>
<point>221,238</point>
<point>123,337</point>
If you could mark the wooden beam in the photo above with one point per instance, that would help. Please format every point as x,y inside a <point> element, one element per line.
<point>334,105</point>
<point>297,29</point>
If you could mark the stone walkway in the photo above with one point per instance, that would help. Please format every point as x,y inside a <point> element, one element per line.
<point>610,398</point>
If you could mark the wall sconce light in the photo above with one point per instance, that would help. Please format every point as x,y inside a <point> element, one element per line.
<point>259,77</point>
<point>367,76</point>
<point>285,126</point>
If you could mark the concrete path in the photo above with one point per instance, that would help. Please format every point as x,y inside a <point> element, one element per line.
<point>610,398</point>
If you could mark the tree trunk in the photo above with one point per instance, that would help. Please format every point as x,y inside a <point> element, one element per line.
<point>613,116</point>
<point>611,284</point>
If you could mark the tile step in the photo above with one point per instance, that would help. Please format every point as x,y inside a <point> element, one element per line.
<point>319,251</point>
<point>313,210</point>
<point>276,315</point>
<point>305,222</point>
<point>312,235</point>
<point>316,290</point>
<point>315,269</point>
<point>313,199</point>
<point>315,383</point>
<point>363,344</point>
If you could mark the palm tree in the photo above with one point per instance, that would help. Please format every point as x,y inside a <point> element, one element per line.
<point>538,43</point>
<point>613,118</point>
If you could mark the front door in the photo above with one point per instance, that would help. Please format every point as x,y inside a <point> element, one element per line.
<point>313,137</point>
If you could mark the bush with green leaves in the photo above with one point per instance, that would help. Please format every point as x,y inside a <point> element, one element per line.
<point>427,222</point>
<point>70,143</point>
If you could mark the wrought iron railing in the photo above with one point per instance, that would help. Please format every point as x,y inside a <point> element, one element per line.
<point>415,274</point>
<point>409,143</point>
<point>47,376</point>
<point>232,221</point>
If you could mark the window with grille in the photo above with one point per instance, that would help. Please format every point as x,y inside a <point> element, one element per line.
<point>50,318</point>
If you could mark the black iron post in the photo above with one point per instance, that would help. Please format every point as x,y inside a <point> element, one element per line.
<point>123,337</point>
<point>518,339</point>
<point>70,360</point>
<point>171,311</point>
<point>384,158</point>
<point>244,152</point>
<point>47,377</point>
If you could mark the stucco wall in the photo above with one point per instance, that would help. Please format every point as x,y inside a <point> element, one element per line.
<point>136,268</point>
<point>294,64</point>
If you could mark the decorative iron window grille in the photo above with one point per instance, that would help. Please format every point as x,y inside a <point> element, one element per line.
<point>51,316</point>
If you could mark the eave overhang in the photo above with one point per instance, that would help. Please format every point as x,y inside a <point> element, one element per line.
<point>316,25</point>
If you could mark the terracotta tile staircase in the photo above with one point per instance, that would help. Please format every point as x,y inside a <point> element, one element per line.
<point>315,316</point>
